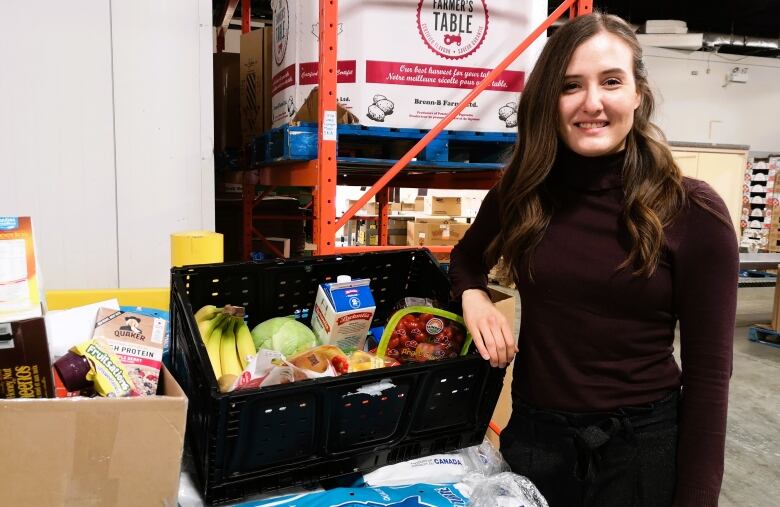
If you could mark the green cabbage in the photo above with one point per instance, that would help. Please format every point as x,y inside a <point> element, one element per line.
<point>285,335</point>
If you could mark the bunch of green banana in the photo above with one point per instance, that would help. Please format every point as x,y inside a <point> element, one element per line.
<point>227,339</point>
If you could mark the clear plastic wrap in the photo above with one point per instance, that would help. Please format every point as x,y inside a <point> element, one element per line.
<point>506,489</point>
<point>484,459</point>
<point>479,460</point>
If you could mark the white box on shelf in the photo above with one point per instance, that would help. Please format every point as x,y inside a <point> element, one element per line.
<point>408,63</point>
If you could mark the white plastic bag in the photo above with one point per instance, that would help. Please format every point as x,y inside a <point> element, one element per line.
<point>506,489</point>
<point>481,459</point>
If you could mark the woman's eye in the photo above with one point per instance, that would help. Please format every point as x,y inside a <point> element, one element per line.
<point>570,86</point>
<point>612,82</point>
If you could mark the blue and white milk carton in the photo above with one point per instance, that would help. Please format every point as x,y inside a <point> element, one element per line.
<point>343,312</point>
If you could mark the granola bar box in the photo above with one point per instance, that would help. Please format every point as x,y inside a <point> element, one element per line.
<point>138,342</point>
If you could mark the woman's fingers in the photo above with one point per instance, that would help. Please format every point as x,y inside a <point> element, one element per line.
<point>494,342</point>
<point>489,329</point>
<point>479,342</point>
<point>509,338</point>
<point>490,343</point>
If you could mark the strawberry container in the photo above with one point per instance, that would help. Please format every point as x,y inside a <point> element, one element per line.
<point>248,442</point>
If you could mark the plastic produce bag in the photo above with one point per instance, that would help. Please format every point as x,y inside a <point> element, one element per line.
<point>481,459</point>
<point>506,489</point>
<point>421,333</point>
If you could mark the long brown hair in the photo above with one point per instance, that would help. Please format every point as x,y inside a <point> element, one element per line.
<point>654,192</point>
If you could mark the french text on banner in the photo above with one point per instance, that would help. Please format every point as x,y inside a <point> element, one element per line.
<point>309,72</point>
<point>283,79</point>
<point>440,76</point>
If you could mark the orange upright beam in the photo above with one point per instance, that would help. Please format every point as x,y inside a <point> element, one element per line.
<point>325,193</point>
<point>422,143</point>
<point>246,16</point>
<point>248,185</point>
<point>382,209</point>
<point>580,8</point>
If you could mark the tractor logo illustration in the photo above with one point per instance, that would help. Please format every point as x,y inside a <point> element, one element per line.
<point>450,39</point>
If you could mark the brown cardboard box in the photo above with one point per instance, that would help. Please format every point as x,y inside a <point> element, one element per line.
<point>434,231</point>
<point>505,303</point>
<point>93,451</point>
<point>25,370</point>
<point>252,80</point>
<point>419,203</point>
<point>446,206</point>
<point>227,106</point>
<point>268,59</point>
<point>396,239</point>
<point>308,111</point>
<point>368,208</point>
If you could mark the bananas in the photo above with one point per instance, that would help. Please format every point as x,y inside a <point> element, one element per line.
<point>208,312</point>
<point>228,341</point>
<point>245,345</point>
<point>213,347</point>
<point>229,354</point>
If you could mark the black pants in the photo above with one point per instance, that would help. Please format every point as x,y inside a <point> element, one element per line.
<point>624,458</point>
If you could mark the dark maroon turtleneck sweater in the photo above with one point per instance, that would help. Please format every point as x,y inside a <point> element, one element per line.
<point>593,338</point>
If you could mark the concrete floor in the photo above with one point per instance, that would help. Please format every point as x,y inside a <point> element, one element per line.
<point>752,474</point>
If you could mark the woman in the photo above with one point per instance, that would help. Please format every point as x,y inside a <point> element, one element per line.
<point>610,247</point>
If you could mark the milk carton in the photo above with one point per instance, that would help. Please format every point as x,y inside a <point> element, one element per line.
<point>408,63</point>
<point>343,312</point>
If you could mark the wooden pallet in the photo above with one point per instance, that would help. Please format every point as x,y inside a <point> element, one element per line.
<point>358,144</point>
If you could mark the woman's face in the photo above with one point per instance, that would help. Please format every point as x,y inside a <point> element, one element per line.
<point>599,96</point>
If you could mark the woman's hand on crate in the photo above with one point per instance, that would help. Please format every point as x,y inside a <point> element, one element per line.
<point>489,328</point>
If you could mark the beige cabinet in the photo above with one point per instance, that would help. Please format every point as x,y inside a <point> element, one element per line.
<point>722,169</point>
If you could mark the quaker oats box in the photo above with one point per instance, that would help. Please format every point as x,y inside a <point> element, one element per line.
<point>137,340</point>
<point>407,63</point>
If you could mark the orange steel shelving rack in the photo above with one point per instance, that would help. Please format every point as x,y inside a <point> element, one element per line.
<point>322,173</point>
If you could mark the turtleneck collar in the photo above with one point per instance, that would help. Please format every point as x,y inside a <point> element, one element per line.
<point>588,173</point>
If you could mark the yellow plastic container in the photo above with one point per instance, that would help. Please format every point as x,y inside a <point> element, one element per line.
<point>148,298</point>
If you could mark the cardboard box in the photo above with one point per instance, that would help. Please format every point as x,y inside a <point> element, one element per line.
<point>396,239</point>
<point>268,60</point>
<point>434,231</point>
<point>408,63</point>
<point>93,451</point>
<point>419,203</point>
<point>446,206</point>
<point>281,244</point>
<point>227,102</point>
<point>506,304</point>
<point>20,296</point>
<point>369,208</point>
<point>343,312</point>
<point>252,80</point>
<point>25,368</point>
<point>452,206</point>
<point>137,341</point>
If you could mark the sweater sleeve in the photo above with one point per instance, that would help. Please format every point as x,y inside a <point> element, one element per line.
<point>468,268</point>
<point>706,266</point>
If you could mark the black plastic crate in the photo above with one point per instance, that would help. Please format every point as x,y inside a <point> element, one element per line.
<point>248,442</point>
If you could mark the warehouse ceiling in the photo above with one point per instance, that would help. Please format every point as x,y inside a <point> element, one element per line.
<point>738,18</point>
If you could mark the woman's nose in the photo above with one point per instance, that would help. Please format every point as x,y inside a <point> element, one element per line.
<point>592,101</point>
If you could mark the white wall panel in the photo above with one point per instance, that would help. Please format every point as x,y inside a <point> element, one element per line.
<point>57,138</point>
<point>164,123</point>
<point>695,106</point>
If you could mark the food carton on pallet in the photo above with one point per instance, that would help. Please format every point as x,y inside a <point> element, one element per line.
<point>408,63</point>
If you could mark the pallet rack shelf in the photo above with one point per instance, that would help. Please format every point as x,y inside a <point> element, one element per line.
<point>324,173</point>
